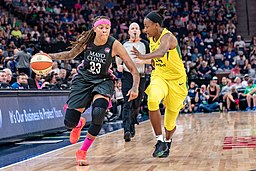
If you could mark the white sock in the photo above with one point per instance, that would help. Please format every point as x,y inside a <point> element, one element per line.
<point>160,137</point>
<point>170,140</point>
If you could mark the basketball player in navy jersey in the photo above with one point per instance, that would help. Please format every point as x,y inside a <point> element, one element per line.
<point>131,108</point>
<point>94,83</point>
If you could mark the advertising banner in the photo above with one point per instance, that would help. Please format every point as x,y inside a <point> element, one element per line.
<point>27,115</point>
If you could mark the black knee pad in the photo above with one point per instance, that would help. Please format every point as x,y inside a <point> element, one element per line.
<point>101,102</point>
<point>99,108</point>
<point>72,118</point>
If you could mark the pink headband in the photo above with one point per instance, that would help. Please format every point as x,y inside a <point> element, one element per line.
<point>102,21</point>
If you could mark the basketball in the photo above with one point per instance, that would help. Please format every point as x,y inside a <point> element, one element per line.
<point>41,63</point>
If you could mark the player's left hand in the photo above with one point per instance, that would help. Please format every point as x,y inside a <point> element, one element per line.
<point>133,92</point>
<point>136,53</point>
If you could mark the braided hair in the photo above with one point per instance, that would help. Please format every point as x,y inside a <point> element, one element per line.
<point>86,36</point>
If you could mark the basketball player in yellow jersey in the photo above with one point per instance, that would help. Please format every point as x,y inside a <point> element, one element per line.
<point>168,81</point>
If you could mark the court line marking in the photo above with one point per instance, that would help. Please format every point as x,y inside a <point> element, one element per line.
<point>23,161</point>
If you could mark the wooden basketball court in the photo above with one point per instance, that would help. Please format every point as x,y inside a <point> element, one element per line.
<point>198,145</point>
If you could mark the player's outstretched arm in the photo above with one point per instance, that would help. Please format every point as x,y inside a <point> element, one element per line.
<point>168,41</point>
<point>119,50</point>
<point>67,55</point>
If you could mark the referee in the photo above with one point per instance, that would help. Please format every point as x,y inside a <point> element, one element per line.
<point>131,108</point>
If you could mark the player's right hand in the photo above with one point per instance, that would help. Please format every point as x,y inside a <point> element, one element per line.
<point>136,53</point>
<point>133,93</point>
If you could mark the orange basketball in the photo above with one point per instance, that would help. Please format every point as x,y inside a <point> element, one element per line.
<point>41,63</point>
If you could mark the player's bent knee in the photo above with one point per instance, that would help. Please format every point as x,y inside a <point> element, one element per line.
<point>98,115</point>
<point>170,127</point>
<point>99,108</point>
<point>153,105</point>
<point>72,118</point>
<point>154,99</point>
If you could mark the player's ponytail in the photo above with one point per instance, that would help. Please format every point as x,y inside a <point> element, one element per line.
<point>161,11</point>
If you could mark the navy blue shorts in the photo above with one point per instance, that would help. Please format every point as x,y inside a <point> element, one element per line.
<point>83,91</point>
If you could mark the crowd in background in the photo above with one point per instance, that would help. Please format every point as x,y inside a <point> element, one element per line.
<point>206,31</point>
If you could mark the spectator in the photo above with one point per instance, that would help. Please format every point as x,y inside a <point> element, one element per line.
<point>231,25</point>
<point>223,82</point>
<point>78,6</point>
<point>16,32</point>
<point>235,71</point>
<point>253,47</point>
<point>202,99</point>
<point>204,71</point>
<point>3,80</point>
<point>55,67</point>
<point>237,84</point>
<point>23,61</point>
<point>225,92</point>
<point>50,82</point>
<point>10,63</point>
<point>118,100</point>
<point>22,82</point>
<point>245,81</point>
<point>62,77</point>
<point>35,33</point>
<point>219,58</point>
<point>214,91</point>
<point>1,58</point>
<point>250,94</point>
<point>253,62</point>
<point>195,55</point>
<point>229,55</point>
<point>109,4</point>
<point>192,94</point>
<point>11,48</point>
<point>35,81</point>
<point>187,108</point>
<point>226,66</point>
<point>239,44</point>
<point>199,44</point>
<point>232,98</point>
<point>251,71</point>
<point>9,77</point>
<point>24,28</point>
<point>240,60</point>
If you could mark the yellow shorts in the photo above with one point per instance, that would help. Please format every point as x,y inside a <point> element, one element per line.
<point>172,93</point>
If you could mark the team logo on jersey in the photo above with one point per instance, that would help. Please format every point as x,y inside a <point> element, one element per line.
<point>107,50</point>
<point>159,62</point>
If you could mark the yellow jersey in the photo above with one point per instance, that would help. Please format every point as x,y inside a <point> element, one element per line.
<point>170,66</point>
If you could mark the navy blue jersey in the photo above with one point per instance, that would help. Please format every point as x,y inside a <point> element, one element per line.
<point>97,61</point>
